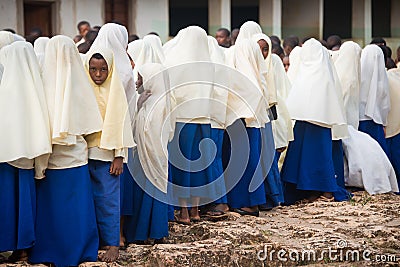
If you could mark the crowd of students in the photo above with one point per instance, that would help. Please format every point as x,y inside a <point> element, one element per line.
<point>106,140</point>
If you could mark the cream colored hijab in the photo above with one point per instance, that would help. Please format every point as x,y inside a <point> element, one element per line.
<point>250,63</point>
<point>247,30</point>
<point>115,37</point>
<point>188,62</point>
<point>282,127</point>
<point>269,77</point>
<point>222,79</point>
<point>40,47</point>
<point>315,95</point>
<point>294,59</point>
<point>393,119</point>
<point>347,66</point>
<point>117,131</point>
<point>7,38</point>
<point>70,99</point>
<point>25,123</point>
<point>155,43</point>
<point>154,126</point>
<point>374,90</point>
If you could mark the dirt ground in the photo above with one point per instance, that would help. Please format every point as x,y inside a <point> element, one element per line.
<point>362,232</point>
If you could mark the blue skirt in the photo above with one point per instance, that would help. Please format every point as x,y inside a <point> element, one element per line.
<point>394,154</point>
<point>66,222</point>
<point>273,185</point>
<point>308,164</point>
<point>243,168</point>
<point>150,209</point>
<point>126,196</point>
<point>18,208</point>
<point>195,157</point>
<point>375,131</point>
<point>341,193</point>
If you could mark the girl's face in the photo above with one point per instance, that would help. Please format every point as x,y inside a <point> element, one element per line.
<point>139,83</point>
<point>286,63</point>
<point>98,70</point>
<point>264,48</point>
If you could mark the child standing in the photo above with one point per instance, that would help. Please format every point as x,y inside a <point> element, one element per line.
<point>107,149</point>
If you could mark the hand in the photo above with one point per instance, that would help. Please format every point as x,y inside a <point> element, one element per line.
<point>142,98</point>
<point>117,166</point>
<point>281,149</point>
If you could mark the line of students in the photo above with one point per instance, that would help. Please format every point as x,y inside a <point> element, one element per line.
<point>204,131</point>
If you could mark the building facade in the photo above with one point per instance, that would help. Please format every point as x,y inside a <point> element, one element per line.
<point>359,20</point>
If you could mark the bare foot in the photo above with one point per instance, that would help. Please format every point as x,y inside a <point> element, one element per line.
<point>111,254</point>
<point>194,214</point>
<point>18,255</point>
<point>122,241</point>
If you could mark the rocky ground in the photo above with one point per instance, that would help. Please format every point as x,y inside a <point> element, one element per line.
<point>362,232</point>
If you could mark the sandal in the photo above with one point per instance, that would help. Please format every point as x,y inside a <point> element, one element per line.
<point>325,199</point>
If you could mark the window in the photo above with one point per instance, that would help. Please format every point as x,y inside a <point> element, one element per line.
<point>242,11</point>
<point>183,13</point>
<point>337,18</point>
<point>381,18</point>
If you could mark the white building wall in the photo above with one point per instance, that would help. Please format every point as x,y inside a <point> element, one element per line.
<point>148,16</point>
<point>71,12</point>
<point>10,17</point>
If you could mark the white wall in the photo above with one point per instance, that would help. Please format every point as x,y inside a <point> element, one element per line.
<point>73,11</point>
<point>9,16</point>
<point>148,16</point>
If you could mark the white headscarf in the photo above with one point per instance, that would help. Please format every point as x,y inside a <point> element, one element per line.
<point>374,90</point>
<point>7,38</point>
<point>147,50</point>
<point>154,126</point>
<point>315,96</point>
<point>117,131</point>
<point>25,123</point>
<point>347,66</point>
<point>393,119</point>
<point>115,37</point>
<point>282,127</point>
<point>294,59</point>
<point>222,77</point>
<point>269,77</point>
<point>368,166</point>
<point>247,30</point>
<point>155,42</point>
<point>216,52</point>
<point>188,62</point>
<point>73,110</point>
<point>250,63</point>
<point>40,46</point>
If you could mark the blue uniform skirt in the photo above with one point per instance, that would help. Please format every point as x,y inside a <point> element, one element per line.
<point>308,164</point>
<point>18,208</point>
<point>394,154</point>
<point>243,168</point>
<point>195,157</point>
<point>66,232</point>
<point>149,218</point>
<point>375,131</point>
<point>126,196</point>
<point>273,185</point>
<point>341,193</point>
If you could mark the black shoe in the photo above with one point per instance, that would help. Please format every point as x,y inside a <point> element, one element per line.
<point>264,208</point>
<point>249,213</point>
